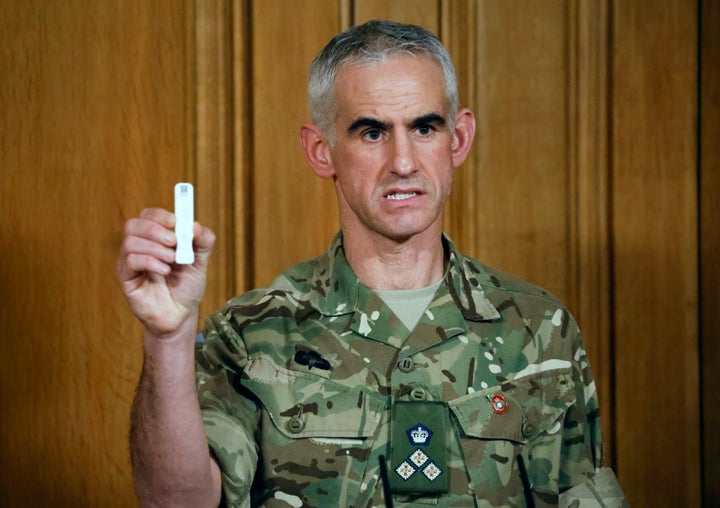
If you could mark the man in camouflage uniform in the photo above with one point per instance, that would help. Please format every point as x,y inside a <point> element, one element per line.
<point>390,370</point>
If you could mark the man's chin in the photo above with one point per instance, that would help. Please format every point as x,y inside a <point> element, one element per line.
<point>402,235</point>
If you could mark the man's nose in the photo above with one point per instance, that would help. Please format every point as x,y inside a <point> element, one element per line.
<point>403,157</point>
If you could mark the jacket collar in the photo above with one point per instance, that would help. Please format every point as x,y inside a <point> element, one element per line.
<point>337,290</point>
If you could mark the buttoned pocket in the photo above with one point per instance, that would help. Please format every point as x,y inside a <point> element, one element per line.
<point>532,405</point>
<point>525,417</point>
<point>316,436</point>
<point>305,404</point>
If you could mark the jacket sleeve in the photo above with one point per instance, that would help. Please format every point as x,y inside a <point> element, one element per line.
<point>600,488</point>
<point>229,413</point>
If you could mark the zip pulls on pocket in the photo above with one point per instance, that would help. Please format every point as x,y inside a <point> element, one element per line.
<point>387,495</point>
<point>529,501</point>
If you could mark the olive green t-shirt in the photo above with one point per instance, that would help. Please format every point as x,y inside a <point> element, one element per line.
<point>408,304</point>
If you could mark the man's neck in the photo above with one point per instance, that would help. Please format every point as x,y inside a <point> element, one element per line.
<point>382,263</point>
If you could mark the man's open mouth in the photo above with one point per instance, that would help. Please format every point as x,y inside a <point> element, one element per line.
<point>400,195</point>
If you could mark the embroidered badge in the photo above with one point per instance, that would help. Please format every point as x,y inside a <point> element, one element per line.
<point>418,458</point>
<point>418,449</point>
<point>405,470</point>
<point>418,435</point>
<point>312,359</point>
<point>432,472</point>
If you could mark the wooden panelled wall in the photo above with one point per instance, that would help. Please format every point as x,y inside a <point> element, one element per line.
<point>595,173</point>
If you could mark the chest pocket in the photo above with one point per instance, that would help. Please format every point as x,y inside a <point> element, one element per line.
<point>305,405</point>
<point>497,424</point>
<point>534,404</point>
<point>316,436</point>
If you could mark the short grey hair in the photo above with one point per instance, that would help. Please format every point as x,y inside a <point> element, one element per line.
<point>372,42</point>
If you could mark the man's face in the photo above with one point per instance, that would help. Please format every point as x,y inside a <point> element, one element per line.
<point>393,158</point>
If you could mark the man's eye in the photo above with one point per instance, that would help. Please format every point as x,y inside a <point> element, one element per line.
<point>425,130</point>
<point>372,135</point>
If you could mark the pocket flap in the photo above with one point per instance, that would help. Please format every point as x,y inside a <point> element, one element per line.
<point>534,404</point>
<point>303,404</point>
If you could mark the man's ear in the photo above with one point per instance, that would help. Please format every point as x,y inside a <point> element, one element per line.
<point>317,150</point>
<point>463,137</point>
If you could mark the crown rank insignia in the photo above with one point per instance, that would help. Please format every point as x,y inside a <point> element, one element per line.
<point>418,448</point>
<point>419,435</point>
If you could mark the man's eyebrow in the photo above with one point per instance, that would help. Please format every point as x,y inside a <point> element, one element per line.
<point>363,122</point>
<point>374,123</point>
<point>430,118</point>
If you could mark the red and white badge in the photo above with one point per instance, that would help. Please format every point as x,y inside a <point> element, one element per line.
<point>499,405</point>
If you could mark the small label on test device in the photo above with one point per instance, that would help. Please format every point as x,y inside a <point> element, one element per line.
<point>184,218</point>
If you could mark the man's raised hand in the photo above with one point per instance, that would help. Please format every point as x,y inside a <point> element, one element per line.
<point>162,294</point>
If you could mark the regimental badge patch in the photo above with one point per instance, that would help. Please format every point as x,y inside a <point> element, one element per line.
<point>418,448</point>
<point>499,404</point>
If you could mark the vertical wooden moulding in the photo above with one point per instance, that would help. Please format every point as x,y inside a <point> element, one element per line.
<point>345,13</point>
<point>241,155</point>
<point>219,155</point>
<point>458,25</point>
<point>710,244</point>
<point>588,173</point>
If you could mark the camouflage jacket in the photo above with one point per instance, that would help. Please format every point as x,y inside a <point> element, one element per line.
<point>296,383</point>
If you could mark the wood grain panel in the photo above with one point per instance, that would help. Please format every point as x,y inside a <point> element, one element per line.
<point>655,251</point>
<point>710,243</point>
<point>295,214</point>
<point>92,130</point>
<point>106,104</point>
<point>506,197</point>
<point>517,173</point>
<point>418,12</point>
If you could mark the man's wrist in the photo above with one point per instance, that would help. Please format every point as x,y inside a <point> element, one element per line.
<point>179,341</point>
